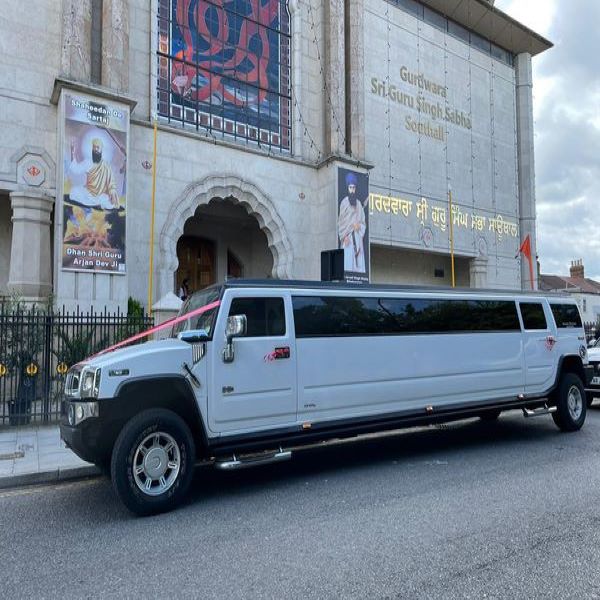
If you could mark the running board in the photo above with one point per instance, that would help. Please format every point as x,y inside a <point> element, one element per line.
<point>253,461</point>
<point>536,412</point>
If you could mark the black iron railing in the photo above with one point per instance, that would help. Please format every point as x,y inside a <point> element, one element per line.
<point>592,331</point>
<point>38,346</point>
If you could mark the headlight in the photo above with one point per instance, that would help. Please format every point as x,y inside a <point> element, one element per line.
<point>90,383</point>
<point>80,411</point>
<point>97,382</point>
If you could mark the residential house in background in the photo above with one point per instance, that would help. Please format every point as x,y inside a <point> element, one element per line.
<point>585,291</point>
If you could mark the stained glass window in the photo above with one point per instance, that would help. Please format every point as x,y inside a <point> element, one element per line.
<point>224,68</point>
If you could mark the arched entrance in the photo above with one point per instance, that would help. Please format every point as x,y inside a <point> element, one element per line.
<point>221,240</point>
<point>220,208</point>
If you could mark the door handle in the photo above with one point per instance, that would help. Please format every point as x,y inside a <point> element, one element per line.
<point>281,352</point>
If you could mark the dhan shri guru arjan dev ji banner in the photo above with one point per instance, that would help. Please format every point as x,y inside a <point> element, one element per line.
<point>94,185</point>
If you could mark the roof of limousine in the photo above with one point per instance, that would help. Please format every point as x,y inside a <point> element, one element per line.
<point>341,285</point>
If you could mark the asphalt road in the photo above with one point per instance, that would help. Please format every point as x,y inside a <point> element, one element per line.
<point>470,510</point>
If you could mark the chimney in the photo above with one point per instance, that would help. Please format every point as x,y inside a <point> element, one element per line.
<point>577,268</point>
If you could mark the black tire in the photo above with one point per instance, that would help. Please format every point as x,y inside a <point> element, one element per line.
<point>590,399</point>
<point>104,466</point>
<point>565,418</point>
<point>490,415</point>
<point>167,430</point>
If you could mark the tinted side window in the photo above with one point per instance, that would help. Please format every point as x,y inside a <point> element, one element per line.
<point>265,316</point>
<point>326,316</point>
<point>533,315</point>
<point>452,316</point>
<point>566,315</point>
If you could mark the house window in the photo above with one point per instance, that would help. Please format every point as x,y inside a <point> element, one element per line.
<point>224,69</point>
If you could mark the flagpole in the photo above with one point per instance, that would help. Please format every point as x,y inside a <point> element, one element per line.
<point>525,248</point>
<point>151,266</point>
<point>451,235</point>
<point>531,270</point>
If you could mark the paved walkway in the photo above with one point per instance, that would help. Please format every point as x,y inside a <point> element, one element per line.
<point>36,454</point>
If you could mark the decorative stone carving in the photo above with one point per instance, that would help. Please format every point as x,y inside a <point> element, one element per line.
<point>33,167</point>
<point>238,191</point>
<point>32,171</point>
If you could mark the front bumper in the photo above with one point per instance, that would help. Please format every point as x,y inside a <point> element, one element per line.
<point>592,371</point>
<point>92,439</point>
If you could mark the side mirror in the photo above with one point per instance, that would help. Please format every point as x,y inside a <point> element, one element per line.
<point>193,336</point>
<point>237,326</point>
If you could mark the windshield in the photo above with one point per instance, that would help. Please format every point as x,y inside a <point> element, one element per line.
<point>203,321</point>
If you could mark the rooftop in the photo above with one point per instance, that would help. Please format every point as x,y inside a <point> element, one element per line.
<point>488,21</point>
<point>569,284</point>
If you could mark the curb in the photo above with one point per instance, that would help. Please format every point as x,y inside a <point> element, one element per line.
<point>51,476</point>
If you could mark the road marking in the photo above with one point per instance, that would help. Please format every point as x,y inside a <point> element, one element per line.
<point>38,489</point>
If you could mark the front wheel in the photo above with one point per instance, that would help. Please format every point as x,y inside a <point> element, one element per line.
<point>153,462</point>
<point>571,403</point>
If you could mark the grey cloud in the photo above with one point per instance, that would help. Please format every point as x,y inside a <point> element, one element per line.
<point>568,144</point>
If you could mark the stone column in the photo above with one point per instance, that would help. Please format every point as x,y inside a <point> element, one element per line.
<point>526,164</point>
<point>335,77</point>
<point>478,268</point>
<point>355,56</point>
<point>30,274</point>
<point>76,53</point>
<point>166,308</point>
<point>115,44</point>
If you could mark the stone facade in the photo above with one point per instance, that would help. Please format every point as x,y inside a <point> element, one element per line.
<point>339,119</point>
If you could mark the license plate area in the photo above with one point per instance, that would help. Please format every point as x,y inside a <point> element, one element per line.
<point>595,381</point>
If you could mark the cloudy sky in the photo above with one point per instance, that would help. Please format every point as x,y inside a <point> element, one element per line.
<point>567,125</point>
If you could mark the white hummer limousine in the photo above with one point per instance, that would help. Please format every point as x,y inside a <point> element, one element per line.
<point>256,369</point>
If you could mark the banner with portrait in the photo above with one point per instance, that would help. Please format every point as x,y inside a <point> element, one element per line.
<point>353,224</point>
<point>94,185</point>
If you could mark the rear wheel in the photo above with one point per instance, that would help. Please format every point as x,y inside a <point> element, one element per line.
<point>571,403</point>
<point>152,462</point>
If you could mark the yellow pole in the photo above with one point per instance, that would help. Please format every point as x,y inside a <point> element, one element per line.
<point>451,236</point>
<point>151,269</point>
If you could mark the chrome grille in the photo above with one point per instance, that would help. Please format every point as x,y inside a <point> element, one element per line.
<point>198,351</point>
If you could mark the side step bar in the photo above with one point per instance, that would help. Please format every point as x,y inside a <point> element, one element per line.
<point>536,412</point>
<point>253,461</point>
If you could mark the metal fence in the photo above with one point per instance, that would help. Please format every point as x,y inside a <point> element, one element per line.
<point>591,331</point>
<point>37,348</point>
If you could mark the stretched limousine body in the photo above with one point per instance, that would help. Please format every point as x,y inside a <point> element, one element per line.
<point>255,369</point>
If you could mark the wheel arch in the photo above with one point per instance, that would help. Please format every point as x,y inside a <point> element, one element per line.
<point>571,364</point>
<point>169,392</point>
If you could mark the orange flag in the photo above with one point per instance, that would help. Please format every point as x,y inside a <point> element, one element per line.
<point>526,250</point>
